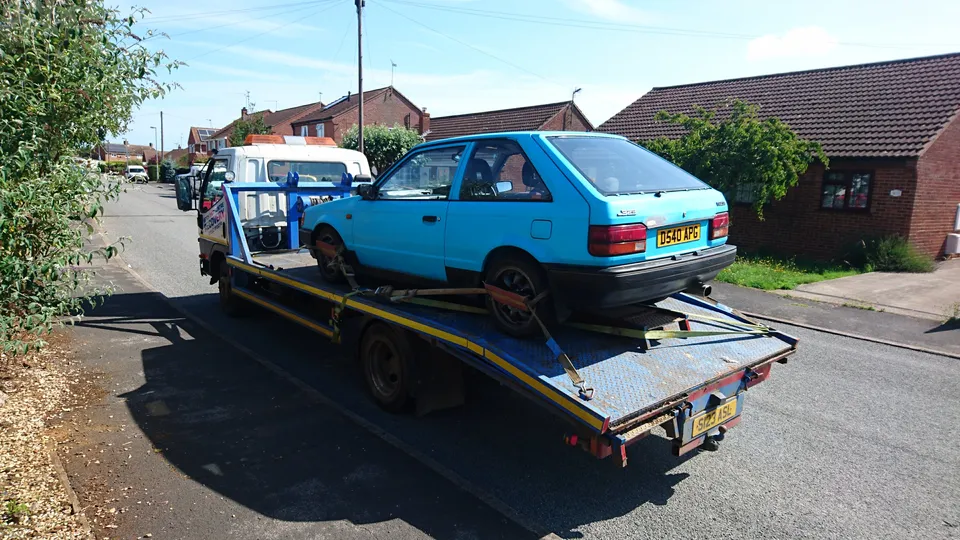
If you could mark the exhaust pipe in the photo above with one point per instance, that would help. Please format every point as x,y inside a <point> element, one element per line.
<point>700,289</point>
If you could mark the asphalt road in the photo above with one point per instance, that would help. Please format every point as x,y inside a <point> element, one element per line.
<point>849,440</point>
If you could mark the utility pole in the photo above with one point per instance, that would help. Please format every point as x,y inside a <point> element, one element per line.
<point>360,4</point>
<point>160,160</point>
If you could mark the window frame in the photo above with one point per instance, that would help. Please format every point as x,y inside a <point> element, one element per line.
<point>454,182</point>
<point>848,184</point>
<point>266,168</point>
<point>320,129</point>
<point>304,130</point>
<point>475,145</point>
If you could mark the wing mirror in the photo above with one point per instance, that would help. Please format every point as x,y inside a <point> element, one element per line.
<point>503,187</point>
<point>367,192</point>
<point>184,194</point>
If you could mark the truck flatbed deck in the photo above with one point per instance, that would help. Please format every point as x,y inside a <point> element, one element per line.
<point>692,386</point>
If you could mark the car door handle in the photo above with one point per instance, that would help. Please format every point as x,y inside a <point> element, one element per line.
<point>431,219</point>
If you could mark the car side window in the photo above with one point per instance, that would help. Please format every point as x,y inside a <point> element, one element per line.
<point>500,171</point>
<point>424,176</point>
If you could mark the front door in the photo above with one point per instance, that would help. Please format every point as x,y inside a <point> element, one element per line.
<point>403,229</point>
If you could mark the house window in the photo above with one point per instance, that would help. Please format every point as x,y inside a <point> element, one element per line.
<point>304,131</point>
<point>406,121</point>
<point>745,193</point>
<point>320,130</point>
<point>846,190</point>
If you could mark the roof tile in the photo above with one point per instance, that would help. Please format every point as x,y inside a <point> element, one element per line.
<point>883,109</point>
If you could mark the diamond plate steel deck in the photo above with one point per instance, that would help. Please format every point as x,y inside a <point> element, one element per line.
<point>626,378</point>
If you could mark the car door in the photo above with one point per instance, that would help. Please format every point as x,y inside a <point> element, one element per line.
<point>402,229</point>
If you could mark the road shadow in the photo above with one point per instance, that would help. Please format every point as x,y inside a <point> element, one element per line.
<point>235,427</point>
<point>952,324</point>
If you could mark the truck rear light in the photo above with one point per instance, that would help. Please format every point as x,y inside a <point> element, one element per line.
<point>611,240</point>
<point>719,226</point>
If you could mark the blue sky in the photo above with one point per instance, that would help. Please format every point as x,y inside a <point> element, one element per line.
<point>458,56</point>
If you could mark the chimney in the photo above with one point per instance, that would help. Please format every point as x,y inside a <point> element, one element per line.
<point>424,121</point>
<point>125,143</point>
<point>348,95</point>
<point>243,112</point>
<point>150,145</point>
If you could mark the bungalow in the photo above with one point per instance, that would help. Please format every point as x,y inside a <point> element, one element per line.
<point>562,116</point>
<point>890,130</point>
<point>385,106</point>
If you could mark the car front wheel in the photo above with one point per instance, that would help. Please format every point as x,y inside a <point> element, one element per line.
<point>329,269</point>
<point>520,275</point>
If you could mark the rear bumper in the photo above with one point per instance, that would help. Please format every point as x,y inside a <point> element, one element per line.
<point>585,287</point>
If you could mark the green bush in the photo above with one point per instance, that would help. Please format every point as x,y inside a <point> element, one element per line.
<point>888,254</point>
<point>152,173</point>
<point>103,167</point>
<point>168,171</point>
<point>71,73</point>
<point>382,145</point>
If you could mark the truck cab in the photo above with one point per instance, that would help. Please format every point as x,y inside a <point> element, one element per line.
<point>265,158</point>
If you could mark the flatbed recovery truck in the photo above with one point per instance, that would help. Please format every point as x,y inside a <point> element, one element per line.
<point>689,381</point>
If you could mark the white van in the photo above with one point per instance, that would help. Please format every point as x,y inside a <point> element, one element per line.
<point>270,158</point>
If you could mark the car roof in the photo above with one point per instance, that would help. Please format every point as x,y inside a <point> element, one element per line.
<point>517,135</point>
<point>293,152</point>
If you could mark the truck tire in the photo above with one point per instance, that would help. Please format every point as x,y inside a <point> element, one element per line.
<point>232,305</point>
<point>519,274</point>
<point>387,358</point>
<point>329,271</point>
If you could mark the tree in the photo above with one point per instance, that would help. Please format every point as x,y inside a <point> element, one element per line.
<point>740,153</point>
<point>71,73</point>
<point>251,125</point>
<point>382,145</point>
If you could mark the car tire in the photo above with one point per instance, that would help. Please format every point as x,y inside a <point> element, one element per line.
<point>388,360</point>
<point>522,275</point>
<point>329,270</point>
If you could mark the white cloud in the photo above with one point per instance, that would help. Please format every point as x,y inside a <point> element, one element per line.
<point>802,42</point>
<point>614,10</point>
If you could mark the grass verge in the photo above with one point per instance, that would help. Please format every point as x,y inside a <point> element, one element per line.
<point>770,273</point>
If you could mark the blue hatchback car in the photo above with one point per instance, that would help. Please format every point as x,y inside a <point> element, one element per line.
<point>595,219</point>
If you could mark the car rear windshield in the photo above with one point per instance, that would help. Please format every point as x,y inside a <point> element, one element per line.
<point>618,167</point>
<point>136,169</point>
<point>309,171</point>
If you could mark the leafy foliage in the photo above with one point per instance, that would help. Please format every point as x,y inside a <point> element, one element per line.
<point>770,272</point>
<point>253,124</point>
<point>71,73</point>
<point>382,145</point>
<point>888,254</point>
<point>152,174</point>
<point>763,158</point>
<point>168,171</point>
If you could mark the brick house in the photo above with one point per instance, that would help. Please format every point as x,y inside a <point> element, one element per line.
<point>890,130</point>
<point>385,106</point>
<point>279,122</point>
<point>197,140</point>
<point>562,116</point>
<point>125,152</point>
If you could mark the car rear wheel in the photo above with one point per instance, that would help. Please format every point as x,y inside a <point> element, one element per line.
<point>387,358</point>
<point>329,269</point>
<point>523,276</point>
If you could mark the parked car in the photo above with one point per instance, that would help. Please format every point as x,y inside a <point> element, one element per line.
<point>595,219</point>
<point>136,174</point>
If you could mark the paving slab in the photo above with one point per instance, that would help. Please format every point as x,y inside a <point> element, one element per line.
<point>934,296</point>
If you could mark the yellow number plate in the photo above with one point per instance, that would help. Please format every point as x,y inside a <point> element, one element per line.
<point>714,418</point>
<point>678,235</point>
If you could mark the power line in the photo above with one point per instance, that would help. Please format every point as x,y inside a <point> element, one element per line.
<point>204,15</point>
<point>237,23</point>
<point>274,29</point>
<point>477,49</point>
<point>629,28</point>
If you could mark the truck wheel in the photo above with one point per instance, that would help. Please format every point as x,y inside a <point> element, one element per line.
<point>232,305</point>
<point>521,275</point>
<point>387,358</point>
<point>329,270</point>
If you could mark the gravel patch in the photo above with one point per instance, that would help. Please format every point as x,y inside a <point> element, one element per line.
<point>33,501</point>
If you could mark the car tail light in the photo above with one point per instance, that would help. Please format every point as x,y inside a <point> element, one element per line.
<point>719,226</point>
<point>610,240</point>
